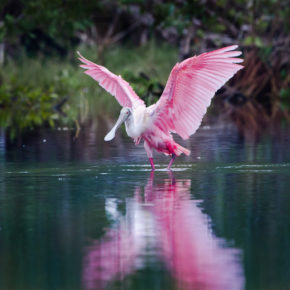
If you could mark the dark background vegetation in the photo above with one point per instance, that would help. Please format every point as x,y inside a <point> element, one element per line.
<point>41,84</point>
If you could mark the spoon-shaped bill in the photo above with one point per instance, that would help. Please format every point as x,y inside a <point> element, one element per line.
<point>111,135</point>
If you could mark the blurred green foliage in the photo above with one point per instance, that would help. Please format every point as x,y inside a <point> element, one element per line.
<point>37,23</point>
<point>47,25</point>
<point>24,107</point>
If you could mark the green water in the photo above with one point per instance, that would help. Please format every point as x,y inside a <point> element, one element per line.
<point>90,215</point>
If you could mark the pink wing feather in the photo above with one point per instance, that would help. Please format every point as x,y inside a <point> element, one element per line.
<point>113,84</point>
<point>190,88</point>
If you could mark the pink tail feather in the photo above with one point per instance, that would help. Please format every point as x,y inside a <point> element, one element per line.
<point>179,150</point>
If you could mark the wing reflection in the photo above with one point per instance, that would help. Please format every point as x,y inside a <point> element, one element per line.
<point>164,222</point>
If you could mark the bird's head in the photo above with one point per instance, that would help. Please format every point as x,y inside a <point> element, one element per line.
<point>124,115</point>
<point>125,112</point>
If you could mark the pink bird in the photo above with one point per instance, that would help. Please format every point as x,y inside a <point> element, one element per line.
<point>188,92</point>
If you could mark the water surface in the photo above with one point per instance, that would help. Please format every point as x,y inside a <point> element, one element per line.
<point>91,215</point>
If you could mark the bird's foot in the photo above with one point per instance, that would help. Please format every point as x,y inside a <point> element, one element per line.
<point>171,161</point>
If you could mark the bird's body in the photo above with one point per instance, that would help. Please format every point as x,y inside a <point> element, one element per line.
<point>139,126</point>
<point>188,93</point>
<point>138,122</point>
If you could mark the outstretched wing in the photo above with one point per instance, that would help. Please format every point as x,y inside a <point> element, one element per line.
<point>190,88</point>
<point>113,84</point>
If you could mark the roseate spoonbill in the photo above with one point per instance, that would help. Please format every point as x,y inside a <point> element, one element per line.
<point>181,107</point>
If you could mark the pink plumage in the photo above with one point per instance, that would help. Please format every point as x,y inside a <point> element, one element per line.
<point>190,88</point>
<point>188,92</point>
<point>113,84</point>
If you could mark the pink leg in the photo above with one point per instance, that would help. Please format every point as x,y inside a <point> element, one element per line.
<point>152,163</point>
<point>173,156</point>
<point>149,154</point>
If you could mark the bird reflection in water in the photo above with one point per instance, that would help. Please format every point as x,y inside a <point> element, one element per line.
<point>166,222</point>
